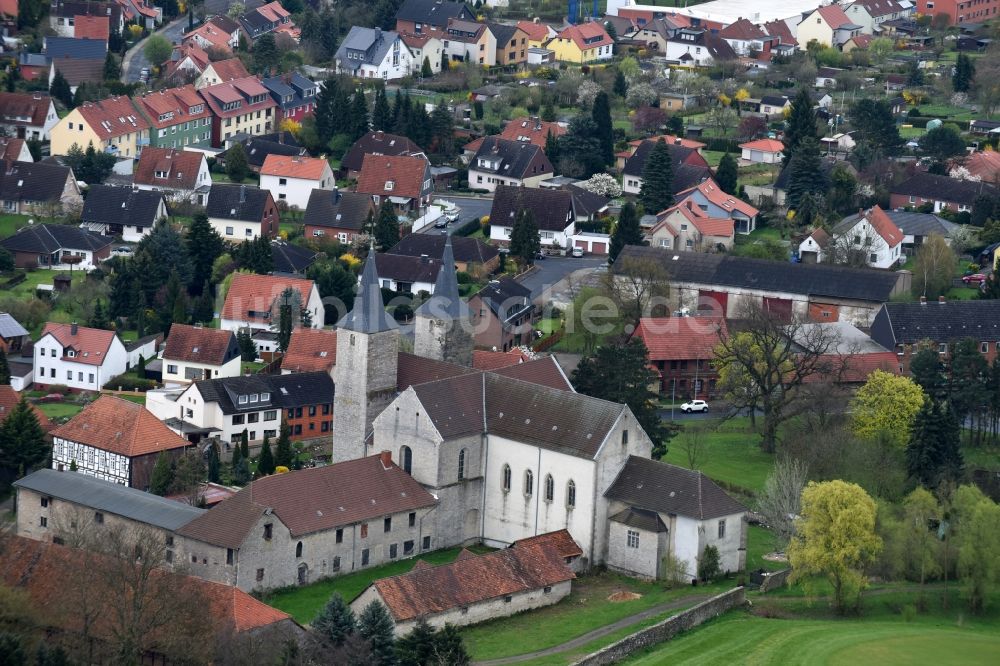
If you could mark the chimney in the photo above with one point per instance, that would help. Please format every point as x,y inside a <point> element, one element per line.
<point>424,258</point>
<point>243,193</point>
<point>73,328</point>
<point>941,299</point>
<point>386,458</point>
<point>378,34</point>
<point>923,300</point>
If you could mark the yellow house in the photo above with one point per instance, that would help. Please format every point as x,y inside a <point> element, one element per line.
<point>537,33</point>
<point>587,42</point>
<point>112,125</point>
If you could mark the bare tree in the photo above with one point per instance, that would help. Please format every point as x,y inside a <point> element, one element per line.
<point>692,443</point>
<point>639,286</point>
<point>933,268</point>
<point>780,500</point>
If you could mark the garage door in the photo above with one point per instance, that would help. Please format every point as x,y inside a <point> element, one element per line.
<point>712,302</point>
<point>599,248</point>
<point>756,156</point>
<point>581,244</point>
<point>779,308</point>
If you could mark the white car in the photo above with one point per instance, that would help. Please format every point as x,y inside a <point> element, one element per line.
<point>694,406</point>
<point>577,252</point>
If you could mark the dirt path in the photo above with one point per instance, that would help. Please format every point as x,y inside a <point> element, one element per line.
<point>600,632</point>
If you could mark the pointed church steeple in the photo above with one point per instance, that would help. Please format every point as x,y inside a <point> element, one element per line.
<point>446,303</point>
<point>368,314</point>
<point>443,326</point>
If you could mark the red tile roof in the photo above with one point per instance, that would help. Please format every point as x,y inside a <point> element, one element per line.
<point>855,368</point>
<point>9,399</point>
<point>196,344</point>
<point>834,16</point>
<point>561,540</point>
<point>91,27</point>
<point>120,426</point>
<point>711,191</point>
<point>781,30</point>
<point>984,164</point>
<point>294,166</point>
<point>211,33</point>
<point>884,226</point>
<point>670,140</point>
<point>406,173</point>
<point>90,344</point>
<point>309,350</point>
<point>681,338</point>
<point>175,105</point>
<point>526,130</point>
<point>230,69</point>
<point>24,105</point>
<point>494,360</point>
<point>191,50</point>
<point>764,145</point>
<point>580,34</point>
<point>181,167</point>
<point>273,11</point>
<point>10,149</point>
<point>708,226</point>
<point>257,292</point>
<point>237,90</point>
<point>742,29</point>
<point>8,8</point>
<point>536,32</point>
<point>113,116</point>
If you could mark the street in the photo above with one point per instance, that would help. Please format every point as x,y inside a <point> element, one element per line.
<point>135,58</point>
<point>469,208</point>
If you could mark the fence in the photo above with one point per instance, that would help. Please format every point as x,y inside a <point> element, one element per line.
<point>666,630</point>
<point>546,343</point>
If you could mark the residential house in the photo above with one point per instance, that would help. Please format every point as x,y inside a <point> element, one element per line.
<point>122,211</point>
<point>111,125</point>
<point>269,18</point>
<point>78,60</point>
<point>513,163</point>
<point>338,214</point>
<point>918,227</point>
<point>63,15</point>
<point>404,179</point>
<point>860,42</point>
<point>377,143</point>
<point>937,193</point>
<point>538,33</point>
<point>241,105</point>
<point>653,34</point>
<point>677,101</point>
<point>660,512</point>
<point>242,212</point>
<point>774,104</point>
<point>511,44</point>
<point>669,139</point>
<point>958,12</point>
<point>812,247</point>
<point>143,12</point>
<point>250,301</point>
<point>291,259</point>
<point>983,126</point>
<point>27,115</point>
<point>221,71</point>
<point>682,350</point>
<point>692,47</point>
<point>828,25</point>
<point>786,37</point>
<point>48,246</point>
<point>181,175</point>
<point>177,117</point>
<point>762,151</point>
<point>529,129</point>
<point>13,336</point>
<point>711,198</point>
<point>870,234</point>
<point>34,66</point>
<point>38,188</point>
<point>74,48</point>
<point>294,94</point>
<point>14,150</point>
<point>470,41</point>
<point>552,211</point>
<point>469,589</point>
<point>407,275</point>
<point>81,358</point>
<point>983,165</point>
<point>685,226</point>
<point>257,148</point>
<point>722,284</point>
<point>471,255</point>
<point>294,178</point>
<point>747,39</point>
<point>871,14</point>
<point>92,27</point>
<point>690,166</point>
<point>310,350</point>
<point>587,206</point>
<point>193,353</point>
<point>503,314</point>
<point>371,53</point>
<point>187,62</point>
<point>9,399</point>
<point>851,355</point>
<point>583,43</point>
<point>420,17</point>
<point>220,32</point>
<point>425,48</point>
<point>905,328</point>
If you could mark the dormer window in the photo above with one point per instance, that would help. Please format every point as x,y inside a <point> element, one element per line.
<point>161,174</point>
<point>389,185</point>
<point>264,397</point>
<point>244,399</point>
<point>253,397</point>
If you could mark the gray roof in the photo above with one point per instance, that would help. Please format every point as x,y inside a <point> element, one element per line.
<point>293,390</point>
<point>10,328</point>
<point>655,486</point>
<point>513,158</point>
<point>375,43</point>
<point>640,519</point>
<point>77,49</point>
<point>446,303</point>
<point>368,314</point>
<point>941,322</point>
<point>110,497</point>
<point>433,12</point>
<point>921,224</point>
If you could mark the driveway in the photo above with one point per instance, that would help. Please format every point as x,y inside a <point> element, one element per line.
<point>468,208</point>
<point>549,275</point>
<point>135,59</point>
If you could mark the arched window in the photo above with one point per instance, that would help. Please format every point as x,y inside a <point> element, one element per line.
<point>570,494</point>
<point>461,464</point>
<point>406,459</point>
<point>506,478</point>
<point>529,482</point>
<point>298,549</point>
<point>550,488</point>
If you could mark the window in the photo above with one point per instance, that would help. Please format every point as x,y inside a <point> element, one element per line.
<point>722,529</point>
<point>260,575</point>
<point>632,539</point>
<point>282,181</point>
<point>461,464</point>
<point>43,521</point>
<point>406,457</point>
<point>571,494</point>
<point>45,502</point>
<point>298,549</point>
<point>168,556</point>
<point>340,535</point>
<point>507,599</point>
<point>268,531</point>
<point>364,530</point>
<point>230,556</point>
<point>336,562</point>
<point>98,517</point>
<point>171,369</point>
<point>529,482</point>
<point>393,551</point>
<point>550,488</point>
<point>413,519</point>
<point>364,557</point>
<point>238,419</point>
<point>387,524</point>
<point>229,231</point>
<point>170,542</point>
<point>984,347</point>
<point>943,348</point>
<point>253,418</point>
<point>69,375</point>
<point>426,545</point>
<point>506,478</point>
<point>624,437</point>
<point>546,589</point>
<point>408,547</point>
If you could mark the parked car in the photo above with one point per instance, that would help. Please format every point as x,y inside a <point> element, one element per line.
<point>694,406</point>
<point>442,223</point>
<point>975,278</point>
<point>122,251</point>
<point>577,252</point>
<point>541,256</point>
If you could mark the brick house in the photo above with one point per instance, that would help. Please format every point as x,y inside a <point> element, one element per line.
<point>941,192</point>
<point>682,350</point>
<point>239,106</point>
<point>377,143</point>
<point>340,215</point>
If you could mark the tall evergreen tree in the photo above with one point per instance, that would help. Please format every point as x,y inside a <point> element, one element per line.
<point>621,85</point>
<point>265,54</point>
<point>22,440</point>
<point>551,149</point>
<point>801,123</point>
<point>376,626</point>
<point>4,368</point>
<point>875,127</point>
<point>60,90</point>
<point>248,349</point>
<point>934,454</point>
<point>111,68</point>
<point>449,647</point>
<point>627,231</point>
<point>336,621</point>
<point>245,443</point>
<point>381,113</point>
<point>601,114</point>
<point>548,112</point>
<point>99,317</point>
<point>657,191</point>
<point>265,463</point>
<point>928,372</point>
<point>237,166</point>
<point>726,174</point>
<point>358,115</point>
<point>443,130</point>
<point>425,69</point>
<point>203,245</point>
<point>326,111</point>
<point>417,647</point>
<point>805,176</point>
<point>961,80</point>
<point>204,305</point>
<point>214,464</point>
<point>283,453</point>
<point>386,226</point>
<point>525,241</point>
<point>286,321</point>
<point>162,476</point>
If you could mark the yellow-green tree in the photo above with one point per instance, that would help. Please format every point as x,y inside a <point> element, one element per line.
<point>836,539</point>
<point>921,512</point>
<point>978,532</point>
<point>886,406</point>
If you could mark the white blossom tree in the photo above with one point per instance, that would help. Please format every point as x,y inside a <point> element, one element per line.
<point>604,184</point>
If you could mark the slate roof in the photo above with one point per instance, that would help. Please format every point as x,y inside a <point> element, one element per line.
<point>368,313</point>
<point>681,338</point>
<point>312,500</point>
<point>374,43</point>
<point>942,188</point>
<point>14,107</point>
<point>655,486</point>
<point>377,143</point>
<point>121,205</point>
<point>586,203</point>
<point>284,391</point>
<point>122,427</point>
<point>257,293</point>
<point>109,497</point>
<point>859,284</point>
<point>181,167</point>
<point>310,350</point>
<point>433,12</point>
<point>515,158</point>
<point>469,250</point>
<point>33,181</point>
<point>640,519</point>
<point>197,344</point>
<point>258,148</point>
<point>921,224</point>
<point>552,209</point>
<point>407,269</point>
<point>288,90</point>
<point>76,49</point>
<point>501,294</point>
<point>50,238</point>
<point>679,155</point>
<point>10,327</point>
<point>339,210</point>
<point>289,258</point>
<point>237,202</point>
<point>943,322</point>
<point>774,100</point>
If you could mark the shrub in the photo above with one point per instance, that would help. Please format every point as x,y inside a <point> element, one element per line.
<point>463,277</point>
<point>708,565</point>
<point>129,383</point>
<point>61,389</point>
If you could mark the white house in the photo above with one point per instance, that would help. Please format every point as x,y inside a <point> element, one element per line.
<point>872,233</point>
<point>194,352</point>
<point>81,358</point>
<point>762,151</point>
<point>812,247</point>
<point>871,14</point>
<point>252,300</point>
<point>423,47</point>
<point>27,115</point>
<point>712,199</point>
<point>372,53</point>
<point>182,175</point>
<point>504,162</point>
<point>552,211</point>
<point>292,178</point>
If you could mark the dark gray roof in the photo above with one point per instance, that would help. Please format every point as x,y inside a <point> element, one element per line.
<point>921,224</point>
<point>368,314</point>
<point>469,250</point>
<point>77,49</point>
<point>377,143</point>
<point>942,188</point>
<point>655,486</point>
<point>403,268</point>
<point>10,327</point>
<point>502,32</point>
<point>373,42</point>
<point>635,164</point>
<point>506,298</point>
<point>446,302</point>
<point>586,202</point>
<point>236,202</point>
<point>108,497</point>
<point>121,205</point>
<point>289,90</point>
<point>290,258</point>
<point>295,390</point>
<point>50,238</point>
<point>337,209</point>
<point>258,148</point>
<point>515,158</point>
<point>773,100</point>
<point>689,175</point>
<point>434,12</point>
<point>941,322</point>
<point>859,284</point>
<point>33,181</point>
<point>640,519</point>
<point>551,209</point>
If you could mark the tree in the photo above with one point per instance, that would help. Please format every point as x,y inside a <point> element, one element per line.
<point>942,143</point>
<point>237,167</point>
<point>886,405</point>
<point>426,71</point>
<point>386,226</point>
<point>157,49</point>
<point>335,285</point>
<point>620,373</point>
<point>627,231</point>
<point>648,118</point>
<point>969,380</point>
<point>921,513</point>
<point>933,268</point>
<point>265,54</point>
<point>801,124</point>
<point>22,440</point>
<point>4,368</point>
<point>751,127</point>
<point>240,467</point>
<point>638,286</point>
<point>283,454</point>
<point>805,177</point>
<point>163,475</point>
<point>601,114</point>
<point>726,174</point>
<point>442,130</point>
<point>978,530</point>
<point>204,305</point>
<point>579,149</point>
<point>214,464</point>
<point>112,70</point>
<point>525,240</point>
<point>933,453</point>
<point>875,127</point>
<point>288,304</point>
<point>708,563</point>
<point>836,539</point>
<point>620,87</point>
<point>359,115</point>
<point>417,647</point>
<point>248,349</point>
<point>60,90</point>
<point>245,444</point>
<point>928,371</point>
<point>657,191</point>
<point>780,501</point>
<point>376,626</point>
<point>265,463</point>
<point>203,245</point>
<point>381,113</point>
<point>336,621</point>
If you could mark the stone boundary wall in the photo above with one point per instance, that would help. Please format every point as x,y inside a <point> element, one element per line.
<point>666,630</point>
<point>775,580</point>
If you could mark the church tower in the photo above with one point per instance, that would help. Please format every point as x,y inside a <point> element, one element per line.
<point>365,373</point>
<point>443,325</point>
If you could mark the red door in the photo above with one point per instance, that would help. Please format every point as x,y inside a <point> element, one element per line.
<point>779,308</point>
<point>712,302</point>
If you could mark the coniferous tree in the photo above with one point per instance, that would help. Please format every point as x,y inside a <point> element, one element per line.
<point>336,621</point>
<point>99,317</point>
<point>525,240</point>
<point>657,191</point>
<point>111,68</point>
<point>326,111</point>
<point>442,128</point>
<point>203,245</point>
<point>265,54</point>
<point>548,113</point>
<point>425,69</point>
<point>248,349</point>
<point>162,476</point>
<point>265,463</point>
<point>214,465</point>
<point>961,81</point>
<point>805,177</point>
<point>627,231</point>
<point>551,149</point>
<point>449,648</point>
<point>245,444</point>
<point>726,174</point>
<point>875,127</point>
<point>22,440</point>
<point>240,467</point>
<point>237,167</point>
<point>621,85</point>
<point>376,626</point>
<point>60,90</point>
<point>283,453</point>
<point>285,320</point>
<point>358,115</point>
<point>4,368</point>
<point>381,113</point>
<point>933,454</point>
<point>204,305</point>
<point>386,226</point>
<point>417,647</point>
<point>929,373</point>
<point>801,123</point>
<point>601,114</point>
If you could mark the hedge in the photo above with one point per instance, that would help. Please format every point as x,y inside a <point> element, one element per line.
<point>14,281</point>
<point>469,228</point>
<point>719,144</point>
<point>127,383</point>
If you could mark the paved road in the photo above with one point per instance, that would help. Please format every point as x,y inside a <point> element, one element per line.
<point>135,58</point>
<point>469,208</point>
<point>549,272</point>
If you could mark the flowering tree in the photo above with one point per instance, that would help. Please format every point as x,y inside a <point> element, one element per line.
<point>604,184</point>
<point>640,94</point>
<point>587,93</point>
<point>648,119</point>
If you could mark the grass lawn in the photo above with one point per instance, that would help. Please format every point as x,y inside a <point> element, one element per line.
<point>910,132</point>
<point>713,157</point>
<point>60,410</point>
<point>11,223</point>
<point>35,278</point>
<point>576,342</point>
<point>760,542</point>
<point>304,603</point>
<point>137,399</point>
<point>730,453</point>
<point>546,326</point>
<point>251,367</point>
<point>763,233</point>
<point>961,293</point>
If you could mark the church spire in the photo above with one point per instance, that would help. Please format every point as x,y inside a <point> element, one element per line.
<point>368,314</point>
<point>446,303</point>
